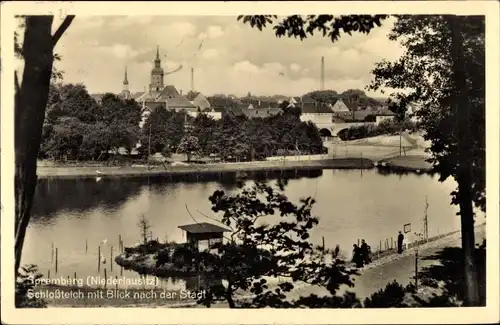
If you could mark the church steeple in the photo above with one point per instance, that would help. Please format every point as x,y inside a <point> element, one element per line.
<point>157,74</point>
<point>125,81</point>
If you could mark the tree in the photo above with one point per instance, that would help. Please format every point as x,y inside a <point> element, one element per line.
<point>144,227</point>
<point>328,25</point>
<point>203,128</point>
<point>270,239</point>
<point>189,145</point>
<point>443,67</point>
<point>30,104</point>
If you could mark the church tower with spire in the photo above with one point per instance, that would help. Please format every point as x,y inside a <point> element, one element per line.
<point>125,92</point>
<point>157,74</point>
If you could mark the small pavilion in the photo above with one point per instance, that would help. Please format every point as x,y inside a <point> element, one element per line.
<point>203,232</point>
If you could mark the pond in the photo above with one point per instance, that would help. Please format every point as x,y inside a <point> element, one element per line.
<point>78,215</point>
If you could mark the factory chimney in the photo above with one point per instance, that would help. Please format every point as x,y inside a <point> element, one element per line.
<point>192,79</point>
<point>322,86</point>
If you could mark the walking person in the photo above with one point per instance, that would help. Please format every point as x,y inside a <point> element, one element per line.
<point>336,252</point>
<point>357,257</point>
<point>401,238</point>
<point>365,252</point>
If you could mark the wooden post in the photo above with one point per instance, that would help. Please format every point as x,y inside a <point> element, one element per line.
<point>323,239</point>
<point>121,270</point>
<point>86,245</point>
<point>98,259</point>
<point>56,260</point>
<point>105,278</point>
<point>48,274</point>
<point>75,276</point>
<point>358,241</point>
<point>380,245</point>
<point>52,254</point>
<point>119,242</point>
<point>111,258</point>
<point>392,241</point>
<point>116,280</point>
<point>416,270</point>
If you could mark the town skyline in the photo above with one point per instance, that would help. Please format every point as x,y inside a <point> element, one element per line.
<point>227,57</point>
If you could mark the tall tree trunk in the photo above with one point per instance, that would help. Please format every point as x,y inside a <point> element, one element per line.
<point>464,174</point>
<point>30,104</point>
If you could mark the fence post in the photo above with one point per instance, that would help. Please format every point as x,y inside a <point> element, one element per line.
<point>98,259</point>
<point>56,259</point>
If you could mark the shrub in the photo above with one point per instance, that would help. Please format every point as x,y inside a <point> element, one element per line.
<point>391,296</point>
<point>25,286</point>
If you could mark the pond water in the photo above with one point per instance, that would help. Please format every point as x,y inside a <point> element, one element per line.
<point>77,215</point>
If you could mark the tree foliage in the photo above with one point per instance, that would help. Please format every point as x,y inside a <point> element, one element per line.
<point>77,127</point>
<point>426,70</point>
<point>353,96</point>
<point>330,26</point>
<point>189,145</point>
<point>443,69</point>
<point>270,238</point>
<point>256,138</point>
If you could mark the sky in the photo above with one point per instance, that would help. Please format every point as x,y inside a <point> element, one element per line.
<point>233,59</point>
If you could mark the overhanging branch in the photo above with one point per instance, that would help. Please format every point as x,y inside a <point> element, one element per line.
<point>60,31</point>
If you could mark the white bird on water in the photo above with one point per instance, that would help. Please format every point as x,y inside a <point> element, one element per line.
<point>98,172</point>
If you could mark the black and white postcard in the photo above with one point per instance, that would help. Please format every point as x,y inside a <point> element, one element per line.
<point>192,162</point>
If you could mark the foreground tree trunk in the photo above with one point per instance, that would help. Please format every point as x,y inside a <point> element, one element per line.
<point>464,174</point>
<point>30,104</point>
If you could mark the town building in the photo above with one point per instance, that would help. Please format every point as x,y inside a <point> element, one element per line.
<point>158,95</point>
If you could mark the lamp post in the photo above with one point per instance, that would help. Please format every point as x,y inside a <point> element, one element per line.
<point>417,243</point>
<point>149,145</point>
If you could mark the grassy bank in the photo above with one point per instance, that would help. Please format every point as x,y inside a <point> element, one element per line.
<point>71,172</point>
<point>409,163</point>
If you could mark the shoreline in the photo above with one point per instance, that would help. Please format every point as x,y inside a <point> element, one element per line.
<point>404,163</point>
<point>437,241</point>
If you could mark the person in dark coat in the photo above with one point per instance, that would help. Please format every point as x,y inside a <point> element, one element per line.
<point>401,238</point>
<point>357,257</point>
<point>365,252</point>
<point>336,252</point>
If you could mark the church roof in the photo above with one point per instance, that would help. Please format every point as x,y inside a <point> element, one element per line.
<point>137,94</point>
<point>146,97</point>
<point>179,102</point>
<point>192,95</point>
<point>168,92</point>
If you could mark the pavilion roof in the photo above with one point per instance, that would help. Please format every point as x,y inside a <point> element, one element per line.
<point>203,227</point>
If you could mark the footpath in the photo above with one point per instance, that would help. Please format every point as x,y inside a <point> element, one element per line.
<point>375,276</point>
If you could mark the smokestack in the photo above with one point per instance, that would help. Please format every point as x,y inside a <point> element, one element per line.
<point>322,86</point>
<point>192,79</point>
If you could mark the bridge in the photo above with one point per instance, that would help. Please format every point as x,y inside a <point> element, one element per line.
<point>332,129</point>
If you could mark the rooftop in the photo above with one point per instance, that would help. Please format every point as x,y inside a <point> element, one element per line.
<point>203,227</point>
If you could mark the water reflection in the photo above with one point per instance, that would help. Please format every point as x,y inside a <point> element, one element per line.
<point>81,194</point>
<point>370,204</point>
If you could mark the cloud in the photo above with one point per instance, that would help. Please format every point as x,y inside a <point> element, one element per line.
<point>211,53</point>
<point>214,31</point>
<point>245,67</point>
<point>122,51</point>
<point>234,58</point>
<point>130,21</point>
<point>295,67</point>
